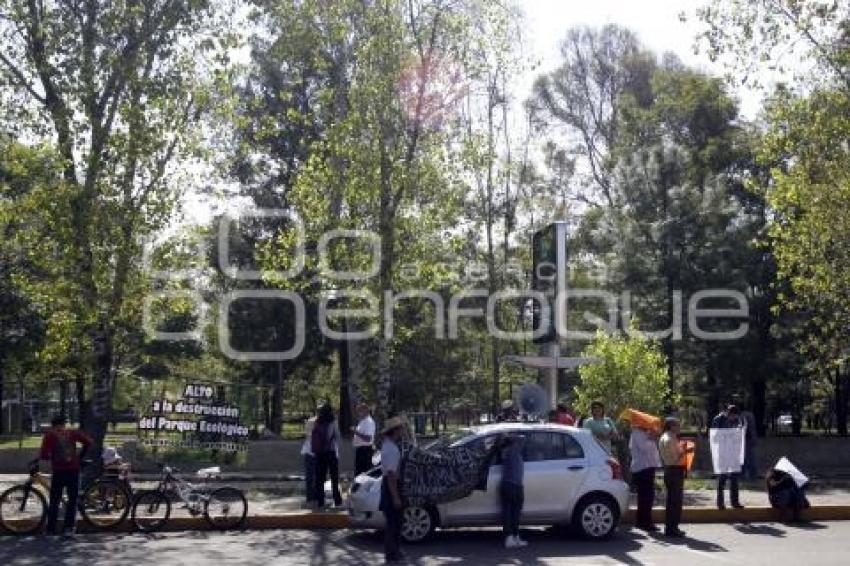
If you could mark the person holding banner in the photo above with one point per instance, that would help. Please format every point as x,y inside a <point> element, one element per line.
<point>727,437</point>
<point>645,460</point>
<point>671,450</point>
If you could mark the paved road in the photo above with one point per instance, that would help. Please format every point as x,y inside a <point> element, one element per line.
<point>825,544</point>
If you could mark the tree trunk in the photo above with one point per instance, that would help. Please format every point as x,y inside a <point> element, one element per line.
<point>758,391</point>
<point>2,378</point>
<point>713,400</point>
<point>345,417</point>
<point>101,399</point>
<point>82,402</point>
<point>840,402</point>
<point>276,420</point>
<point>387,233</point>
<point>63,397</point>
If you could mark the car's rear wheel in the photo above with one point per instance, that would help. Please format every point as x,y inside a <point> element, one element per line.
<point>596,517</point>
<point>417,523</point>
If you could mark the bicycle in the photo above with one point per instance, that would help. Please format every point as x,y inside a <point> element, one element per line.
<point>223,508</point>
<point>104,502</point>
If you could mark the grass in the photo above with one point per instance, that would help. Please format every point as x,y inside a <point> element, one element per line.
<point>10,443</point>
<point>32,441</point>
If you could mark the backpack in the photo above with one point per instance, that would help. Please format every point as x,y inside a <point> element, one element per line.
<point>320,439</point>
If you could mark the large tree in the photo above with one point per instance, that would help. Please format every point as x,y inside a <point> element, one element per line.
<point>113,85</point>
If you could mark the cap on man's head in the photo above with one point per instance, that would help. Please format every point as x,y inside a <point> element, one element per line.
<point>507,404</point>
<point>670,422</point>
<point>58,420</point>
<point>732,409</point>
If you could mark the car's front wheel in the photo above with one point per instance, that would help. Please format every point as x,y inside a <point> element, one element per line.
<point>596,517</point>
<point>417,524</point>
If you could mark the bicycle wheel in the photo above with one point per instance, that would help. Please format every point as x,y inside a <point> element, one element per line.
<point>105,504</point>
<point>151,511</point>
<point>225,508</point>
<point>23,510</point>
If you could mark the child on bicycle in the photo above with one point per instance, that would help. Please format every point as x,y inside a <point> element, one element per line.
<point>113,465</point>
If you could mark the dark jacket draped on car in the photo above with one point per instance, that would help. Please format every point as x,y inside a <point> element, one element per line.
<point>429,477</point>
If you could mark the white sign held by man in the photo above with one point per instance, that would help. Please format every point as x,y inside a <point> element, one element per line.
<point>727,449</point>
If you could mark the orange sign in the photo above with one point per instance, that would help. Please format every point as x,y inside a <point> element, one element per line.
<point>689,451</point>
<point>642,420</point>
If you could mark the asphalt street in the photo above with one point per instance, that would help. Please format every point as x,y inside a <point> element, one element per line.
<point>824,544</point>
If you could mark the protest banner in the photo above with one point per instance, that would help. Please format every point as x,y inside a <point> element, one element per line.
<point>727,449</point>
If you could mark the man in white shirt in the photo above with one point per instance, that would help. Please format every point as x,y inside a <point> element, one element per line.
<point>391,503</point>
<point>364,437</point>
<point>645,460</point>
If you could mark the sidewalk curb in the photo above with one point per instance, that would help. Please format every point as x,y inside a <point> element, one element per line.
<point>749,514</point>
<point>337,520</point>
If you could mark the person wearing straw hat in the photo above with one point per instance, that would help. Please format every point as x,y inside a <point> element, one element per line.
<point>391,503</point>
<point>671,450</point>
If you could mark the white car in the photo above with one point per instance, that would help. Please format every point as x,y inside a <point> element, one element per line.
<point>569,479</point>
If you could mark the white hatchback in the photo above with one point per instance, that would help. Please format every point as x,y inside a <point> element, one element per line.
<point>569,479</point>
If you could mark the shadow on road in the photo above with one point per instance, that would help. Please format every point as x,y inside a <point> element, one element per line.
<point>690,542</point>
<point>485,546</point>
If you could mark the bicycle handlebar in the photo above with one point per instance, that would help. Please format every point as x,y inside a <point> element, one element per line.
<point>167,469</point>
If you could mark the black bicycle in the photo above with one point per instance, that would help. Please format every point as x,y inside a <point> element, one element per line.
<point>104,502</point>
<point>223,508</point>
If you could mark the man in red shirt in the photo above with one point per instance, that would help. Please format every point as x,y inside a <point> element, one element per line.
<point>563,416</point>
<point>59,446</point>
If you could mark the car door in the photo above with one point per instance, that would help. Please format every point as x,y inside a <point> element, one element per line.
<point>555,468</point>
<point>480,507</point>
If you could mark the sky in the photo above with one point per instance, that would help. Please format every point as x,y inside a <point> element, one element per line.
<point>656,23</point>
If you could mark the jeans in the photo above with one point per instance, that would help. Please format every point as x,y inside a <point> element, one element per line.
<point>674,482</point>
<point>325,463</point>
<point>362,459</point>
<point>512,500</point>
<point>733,488</point>
<point>644,482</point>
<point>392,528</point>
<point>63,481</point>
<point>310,477</point>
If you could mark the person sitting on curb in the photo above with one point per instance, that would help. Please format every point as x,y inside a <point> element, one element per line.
<point>785,495</point>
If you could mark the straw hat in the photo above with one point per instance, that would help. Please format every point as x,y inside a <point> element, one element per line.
<point>392,423</point>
